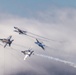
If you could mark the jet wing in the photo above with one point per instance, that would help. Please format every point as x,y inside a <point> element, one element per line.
<point>37,40</point>
<point>1,39</point>
<point>42,47</point>
<point>25,57</point>
<point>5,45</point>
<point>16,31</point>
<point>16,27</point>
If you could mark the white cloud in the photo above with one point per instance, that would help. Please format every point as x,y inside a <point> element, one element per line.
<point>58,25</point>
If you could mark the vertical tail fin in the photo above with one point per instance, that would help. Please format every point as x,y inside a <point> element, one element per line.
<point>11,42</point>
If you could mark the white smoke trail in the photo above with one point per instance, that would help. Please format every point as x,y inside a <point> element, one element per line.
<point>25,57</point>
<point>57,59</point>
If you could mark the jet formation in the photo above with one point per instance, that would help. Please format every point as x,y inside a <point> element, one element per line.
<point>25,33</point>
<point>29,52</point>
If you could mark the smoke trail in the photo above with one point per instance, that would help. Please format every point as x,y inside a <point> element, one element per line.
<point>44,38</point>
<point>25,57</point>
<point>57,59</point>
<point>40,36</point>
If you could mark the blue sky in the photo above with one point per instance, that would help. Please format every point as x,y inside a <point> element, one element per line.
<point>25,7</point>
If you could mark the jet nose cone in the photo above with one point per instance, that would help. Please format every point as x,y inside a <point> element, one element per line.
<point>14,27</point>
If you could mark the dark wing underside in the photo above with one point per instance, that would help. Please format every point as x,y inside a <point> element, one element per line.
<point>5,45</point>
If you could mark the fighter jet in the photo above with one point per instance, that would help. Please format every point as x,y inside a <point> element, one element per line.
<point>20,31</point>
<point>27,53</point>
<point>7,41</point>
<point>40,44</point>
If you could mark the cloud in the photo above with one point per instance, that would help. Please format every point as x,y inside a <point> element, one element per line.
<point>58,25</point>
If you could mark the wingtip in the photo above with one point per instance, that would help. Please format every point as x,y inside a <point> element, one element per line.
<point>15,27</point>
<point>36,39</point>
